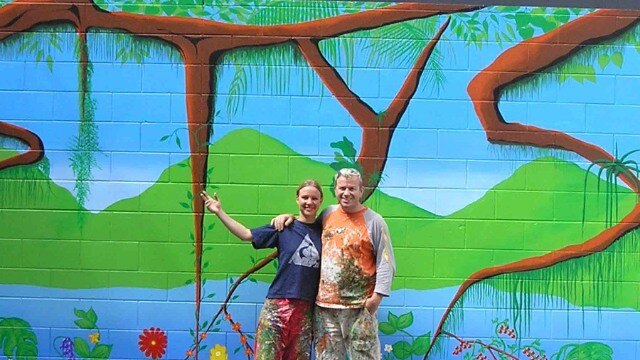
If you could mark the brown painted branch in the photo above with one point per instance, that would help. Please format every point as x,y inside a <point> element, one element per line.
<point>491,348</point>
<point>361,112</point>
<point>31,156</point>
<point>223,308</point>
<point>522,61</point>
<point>377,129</point>
<point>199,86</point>
<point>218,35</point>
<point>408,89</point>
<point>531,57</point>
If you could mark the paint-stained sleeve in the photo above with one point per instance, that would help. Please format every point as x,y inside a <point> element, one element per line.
<point>385,260</point>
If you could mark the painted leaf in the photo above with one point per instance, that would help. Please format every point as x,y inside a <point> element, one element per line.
<point>101,351</point>
<point>92,316</point>
<point>386,328</point>
<point>522,19</point>
<point>617,59</point>
<point>81,347</point>
<point>421,344</point>
<point>392,319</point>
<point>346,147</point>
<point>402,350</point>
<point>590,351</point>
<point>17,339</point>
<point>562,15</point>
<point>84,324</point>
<point>50,62</point>
<point>405,320</point>
<point>526,32</point>
<point>603,60</point>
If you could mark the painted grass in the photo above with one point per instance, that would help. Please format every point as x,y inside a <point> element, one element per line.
<point>145,241</point>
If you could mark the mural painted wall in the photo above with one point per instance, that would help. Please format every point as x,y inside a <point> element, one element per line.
<point>500,143</point>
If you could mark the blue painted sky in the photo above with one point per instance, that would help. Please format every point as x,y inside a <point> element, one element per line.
<point>439,158</point>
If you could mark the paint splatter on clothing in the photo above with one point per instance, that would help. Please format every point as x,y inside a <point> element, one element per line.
<point>357,258</point>
<point>342,332</point>
<point>284,330</point>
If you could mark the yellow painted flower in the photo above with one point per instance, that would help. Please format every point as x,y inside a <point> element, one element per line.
<point>94,338</point>
<point>218,352</point>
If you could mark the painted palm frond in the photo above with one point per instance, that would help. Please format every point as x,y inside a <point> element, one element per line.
<point>400,44</point>
<point>124,47</point>
<point>275,12</point>
<point>267,70</point>
<point>42,44</point>
<point>612,171</point>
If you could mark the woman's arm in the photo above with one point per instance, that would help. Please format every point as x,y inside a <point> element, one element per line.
<point>215,206</point>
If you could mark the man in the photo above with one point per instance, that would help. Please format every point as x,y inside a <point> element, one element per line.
<point>357,267</point>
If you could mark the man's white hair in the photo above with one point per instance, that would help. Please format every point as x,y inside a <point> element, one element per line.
<point>348,173</point>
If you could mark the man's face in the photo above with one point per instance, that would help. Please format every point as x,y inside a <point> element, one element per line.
<point>349,193</point>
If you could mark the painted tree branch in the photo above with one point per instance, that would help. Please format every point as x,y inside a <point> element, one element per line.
<point>223,308</point>
<point>31,156</point>
<point>377,129</point>
<point>489,347</point>
<point>516,64</point>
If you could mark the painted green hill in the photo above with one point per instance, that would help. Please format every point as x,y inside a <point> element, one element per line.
<point>146,241</point>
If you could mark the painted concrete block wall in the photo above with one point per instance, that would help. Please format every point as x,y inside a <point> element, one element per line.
<point>499,143</point>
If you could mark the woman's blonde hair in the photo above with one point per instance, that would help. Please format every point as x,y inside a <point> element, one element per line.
<point>310,182</point>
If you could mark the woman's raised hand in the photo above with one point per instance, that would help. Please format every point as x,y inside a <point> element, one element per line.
<point>212,203</point>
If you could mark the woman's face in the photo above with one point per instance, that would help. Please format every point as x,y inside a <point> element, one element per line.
<point>309,200</point>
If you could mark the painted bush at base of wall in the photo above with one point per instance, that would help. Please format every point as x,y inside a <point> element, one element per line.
<point>499,143</point>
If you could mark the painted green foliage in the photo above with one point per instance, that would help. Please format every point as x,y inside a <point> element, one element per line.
<point>613,170</point>
<point>83,349</point>
<point>403,349</point>
<point>584,351</point>
<point>17,339</point>
<point>504,343</point>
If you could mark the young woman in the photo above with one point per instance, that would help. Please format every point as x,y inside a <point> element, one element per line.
<point>285,323</point>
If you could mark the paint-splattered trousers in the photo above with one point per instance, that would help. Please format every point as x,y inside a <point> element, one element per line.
<point>284,330</point>
<point>346,331</point>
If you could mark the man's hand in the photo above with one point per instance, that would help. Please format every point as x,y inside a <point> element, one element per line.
<point>373,302</point>
<point>212,203</point>
<point>281,221</point>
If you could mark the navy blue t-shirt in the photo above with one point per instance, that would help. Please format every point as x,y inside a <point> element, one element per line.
<point>299,249</point>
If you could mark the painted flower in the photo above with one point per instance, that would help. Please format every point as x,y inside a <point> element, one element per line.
<point>153,342</point>
<point>218,352</point>
<point>94,338</point>
<point>67,349</point>
<point>388,348</point>
<point>236,326</point>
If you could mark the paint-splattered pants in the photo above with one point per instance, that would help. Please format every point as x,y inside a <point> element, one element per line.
<point>284,330</point>
<point>346,331</point>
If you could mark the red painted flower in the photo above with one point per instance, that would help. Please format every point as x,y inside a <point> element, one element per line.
<point>153,343</point>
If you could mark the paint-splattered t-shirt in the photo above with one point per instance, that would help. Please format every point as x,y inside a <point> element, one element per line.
<point>357,258</point>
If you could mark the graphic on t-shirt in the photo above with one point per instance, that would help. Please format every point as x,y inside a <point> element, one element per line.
<point>306,255</point>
